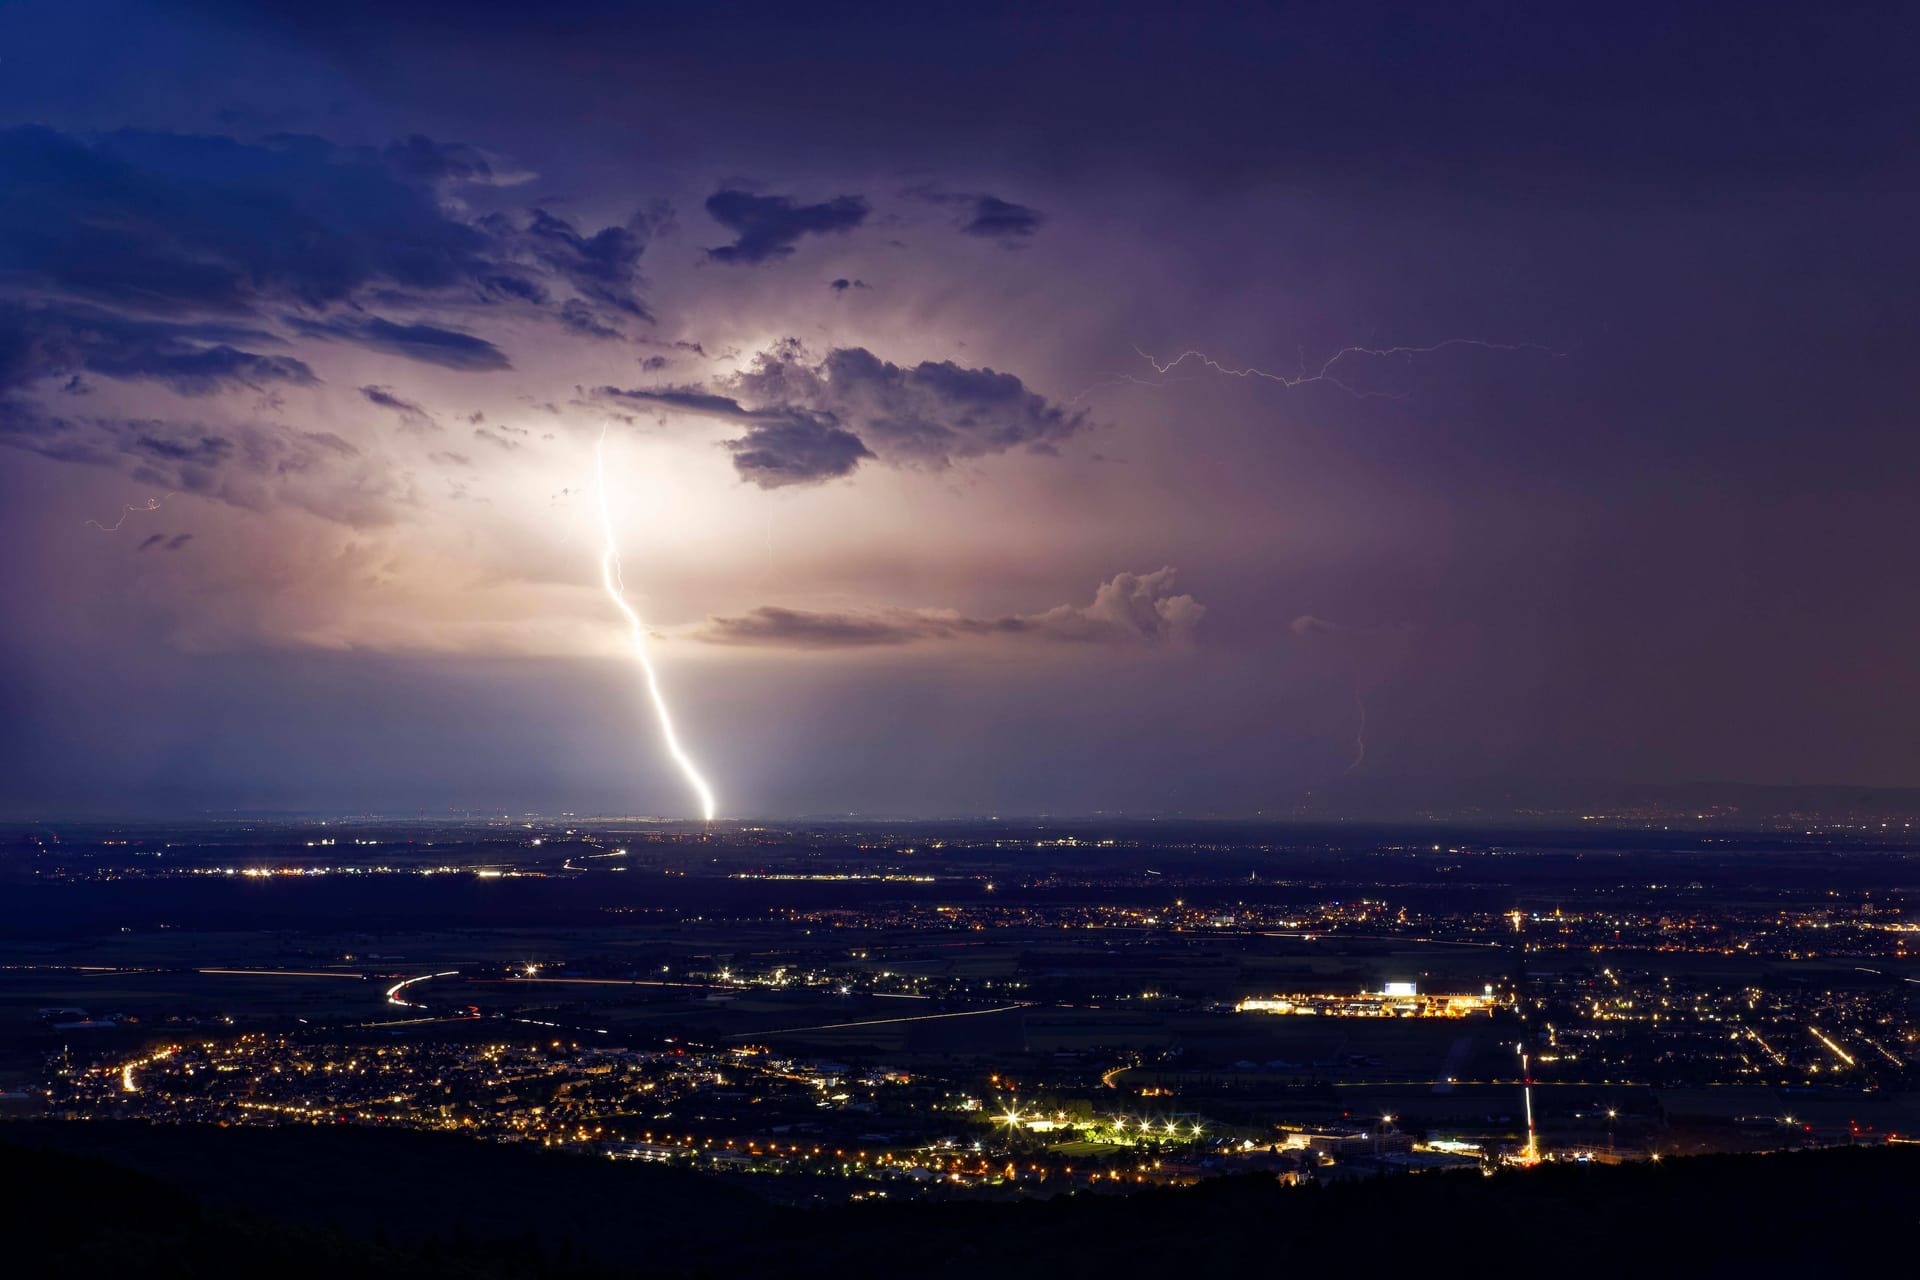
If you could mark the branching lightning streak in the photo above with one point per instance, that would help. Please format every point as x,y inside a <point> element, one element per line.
<point>151,504</point>
<point>1325,373</point>
<point>1124,379</point>
<point>1360,730</point>
<point>616,588</point>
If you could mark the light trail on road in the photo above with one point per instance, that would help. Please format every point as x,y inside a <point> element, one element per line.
<point>881,1022</point>
<point>287,973</point>
<point>631,982</point>
<point>393,992</point>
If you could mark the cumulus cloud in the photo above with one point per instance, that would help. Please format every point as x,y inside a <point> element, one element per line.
<point>799,450</point>
<point>1129,608</point>
<point>930,413</point>
<point>412,416</point>
<point>811,421</point>
<point>781,445</point>
<point>767,227</point>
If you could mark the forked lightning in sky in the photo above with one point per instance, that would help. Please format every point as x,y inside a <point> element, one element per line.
<point>616,589</point>
<point>151,504</point>
<point>1326,371</point>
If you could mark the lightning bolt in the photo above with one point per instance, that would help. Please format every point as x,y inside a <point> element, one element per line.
<point>151,504</point>
<point>1360,730</point>
<point>616,589</point>
<point>1124,379</point>
<point>1328,370</point>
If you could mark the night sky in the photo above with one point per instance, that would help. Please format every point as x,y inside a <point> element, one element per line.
<point>1552,414</point>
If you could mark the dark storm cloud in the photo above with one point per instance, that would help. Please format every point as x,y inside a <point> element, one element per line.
<point>767,227</point>
<point>425,160</point>
<point>175,224</point>
<point>985,215</point>
<point>1191,92</point>
<point>54,340</point>
<point>411,414</point>
<point>579,319</point>
<point>783,444</point>
<point>430,344</point>
<point>603,267</point>
<point>771,626</point>
<point>818,421</point>
<point>165,223</point>
<point>690,399</point>
<point>930,413</point>
<point>1002,219</point>
<point>800,450</point>
<point>1128,608</point>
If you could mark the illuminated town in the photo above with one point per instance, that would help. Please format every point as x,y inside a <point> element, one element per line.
<point>981,1019</point>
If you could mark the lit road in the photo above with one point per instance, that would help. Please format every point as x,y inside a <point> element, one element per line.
<point>1883,973</point>
<point>286,973</point>
<point>631,982</point>
<point>393,992</point>
<point>883,1022</point>
<point>1835,1049</point>
<point>1332,935</point>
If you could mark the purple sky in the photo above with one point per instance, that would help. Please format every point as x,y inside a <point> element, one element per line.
<point>311,318</point>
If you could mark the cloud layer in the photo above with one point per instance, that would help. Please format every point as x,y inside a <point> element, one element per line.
<point>1129,608</point>
<point>194,263</point>
<point>808,421</point>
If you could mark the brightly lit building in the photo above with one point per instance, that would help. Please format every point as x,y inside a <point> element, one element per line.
<point>1393,1000</point>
